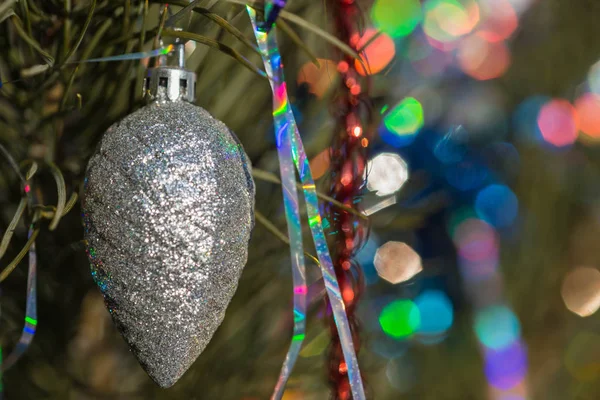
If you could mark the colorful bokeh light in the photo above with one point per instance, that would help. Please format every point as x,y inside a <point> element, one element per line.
<point>482,59</point>
<point>448,20</point>
<point>497,327</point>
<point>400,319</point>
<point>558,123</point>
<point>403,122</point>
<point>476,240</point>
<point>498,20</point>
<point>377,54</point>
<point>497,205</point>
<point>437,313</point>
<point>587,107</point>
<point>506,368</point>
<point>396,18</point>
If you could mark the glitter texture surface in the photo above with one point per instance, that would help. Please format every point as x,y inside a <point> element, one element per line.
<point>168,211</point>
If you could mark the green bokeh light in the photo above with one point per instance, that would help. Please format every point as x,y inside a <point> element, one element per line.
<point>396,17</point>
<point>406,118</point>
<point>400,319</point>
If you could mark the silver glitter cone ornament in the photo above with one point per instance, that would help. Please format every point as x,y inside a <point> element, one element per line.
<point>168,211</point>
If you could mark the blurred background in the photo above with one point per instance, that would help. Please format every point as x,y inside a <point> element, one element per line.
<point>483,195</point>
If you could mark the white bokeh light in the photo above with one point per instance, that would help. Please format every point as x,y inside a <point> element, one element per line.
<point>387,173</point>
<point>397,262</point>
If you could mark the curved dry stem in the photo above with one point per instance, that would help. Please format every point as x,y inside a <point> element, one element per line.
<point>48,59</point>
<point>10,267</point>
<point>12,226</point>
<point>62,195</point>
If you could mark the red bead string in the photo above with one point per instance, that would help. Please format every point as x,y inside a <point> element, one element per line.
<point>347,163</point>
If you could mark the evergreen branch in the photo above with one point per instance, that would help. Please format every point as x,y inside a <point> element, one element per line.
<point>216,18</point>
<point>217,45</point>
<point>32,42</point>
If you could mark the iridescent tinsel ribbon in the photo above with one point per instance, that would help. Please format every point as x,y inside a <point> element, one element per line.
<point>30,311</point>
<point>289,142</point>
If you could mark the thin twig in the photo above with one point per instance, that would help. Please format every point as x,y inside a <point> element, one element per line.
<point>269,177</point>
<point>277,233</point>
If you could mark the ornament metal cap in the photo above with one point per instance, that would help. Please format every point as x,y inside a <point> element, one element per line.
<point>171,83</point>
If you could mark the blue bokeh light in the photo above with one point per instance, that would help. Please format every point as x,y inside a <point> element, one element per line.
<point>497,205</point>
<point>506,368</point>
<point>497,327</point>
<point>436,310</point>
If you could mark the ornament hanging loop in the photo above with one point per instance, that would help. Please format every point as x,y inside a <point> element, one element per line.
<point>166,82</point>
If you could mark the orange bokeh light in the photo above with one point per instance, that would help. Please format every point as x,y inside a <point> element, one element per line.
<point>588,110</point>
<point>377,55</point>
<point>320,164</point>
<point>319,79</point>
<point>348,295</point>
<point>481,59</point>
